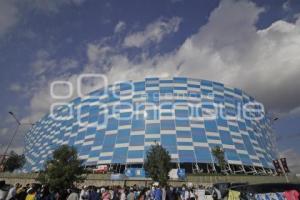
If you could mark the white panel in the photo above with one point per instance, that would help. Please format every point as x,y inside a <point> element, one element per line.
<point>135,160</point>
<point>183,128</point>
<point>212,134</point>
<point>242,151</point>
<point>96,148</point>
<point>166,132</point>
<point>137,133</point>
<point>227,146</point>
<point>118,145</point>
<point>103,154</point>
<point>184,139</point>
<point>236,162</point>
<point>136,148</point>
<point>200,144</point>
<point>185,147</point>
<point>214,141</point>
<point>152,135</point>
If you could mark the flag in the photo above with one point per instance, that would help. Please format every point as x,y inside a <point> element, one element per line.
<point>277,166</point>
<point>284,165</point>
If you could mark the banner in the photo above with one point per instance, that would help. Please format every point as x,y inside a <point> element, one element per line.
<point>277,166</point>
<point>284,165</point>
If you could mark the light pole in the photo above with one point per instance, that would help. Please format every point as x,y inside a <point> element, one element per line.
<point>15,133</point>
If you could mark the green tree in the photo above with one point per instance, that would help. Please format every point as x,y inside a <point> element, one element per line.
<point>219,155</point>
<point>14,161</point>
<point>64,170</point>
<point>158,164</point>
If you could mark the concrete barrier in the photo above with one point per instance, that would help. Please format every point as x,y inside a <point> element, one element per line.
<point>104,179</point>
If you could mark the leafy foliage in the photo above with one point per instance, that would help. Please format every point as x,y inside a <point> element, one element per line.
<point>64,170</point>
<point>158,164</point>
<point>14,161</point>
<point>219,155</point>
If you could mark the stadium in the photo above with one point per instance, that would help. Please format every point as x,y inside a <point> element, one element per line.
<point>116,125</point>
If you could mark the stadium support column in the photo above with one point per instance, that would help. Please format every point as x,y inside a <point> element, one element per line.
<point>243,168</point>
<point>254,169</point>
<point>229,168</point>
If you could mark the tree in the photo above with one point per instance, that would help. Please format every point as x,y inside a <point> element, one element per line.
<point>218,153</point>
<point>158,164</point>
<point>14,161</point>
<point>64,170</point>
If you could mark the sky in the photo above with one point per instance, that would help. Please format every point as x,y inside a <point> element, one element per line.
<point>252,45</point>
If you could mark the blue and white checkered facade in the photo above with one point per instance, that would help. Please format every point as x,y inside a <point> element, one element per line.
<point>117,124</point>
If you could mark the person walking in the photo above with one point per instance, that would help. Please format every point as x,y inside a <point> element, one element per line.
<point>12,192</point>
<point>30,194</point>
<point>84,194</point>
<point>158,193</point>
<point>73,195</point>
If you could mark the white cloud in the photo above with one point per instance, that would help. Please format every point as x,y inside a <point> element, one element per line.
<point>154,32</point>
<point>3,131</point>
<point>228,49</point>
<point>15,87</point>
<point>120,26</point>
<point>8,16</point>
<point>43,63</point>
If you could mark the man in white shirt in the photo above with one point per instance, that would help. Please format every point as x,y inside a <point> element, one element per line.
<point>12,192</point>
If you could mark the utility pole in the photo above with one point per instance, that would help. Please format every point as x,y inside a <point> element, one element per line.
<point>14,134</point>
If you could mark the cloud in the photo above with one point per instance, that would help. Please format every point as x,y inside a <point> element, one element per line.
<point>3,131</point>
<point>228,49</point>
<point>8,16</point>
<point>153,33</point>
<point>44,63</point>
<point>12,11</point>
<point>51,6</point>
<point>120,26</point>
<point>15,87</point>
<point>292,158</point>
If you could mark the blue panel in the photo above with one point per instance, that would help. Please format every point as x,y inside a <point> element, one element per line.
<point>123,136</point>
<point>112,124</point>
<point>120,155</point>
<point>186,156</point>
<point>226,137</point>
<point>135,154</point>
<point>248,145</point>
<point>198,135</point>
<point>136,140</point>
<point>153,128</point>
<point>231,154</point>
<point>109,143</point>
<point>139,86</point>
<point>210,126</point>
<point>245,159</point>
<point>167,125</point>
<point>183,134</point>
<point>138,125</point>
<point>203,155</point>
<point>182,123</point>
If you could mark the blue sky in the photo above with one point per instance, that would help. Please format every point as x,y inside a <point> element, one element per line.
<point>253,45</point>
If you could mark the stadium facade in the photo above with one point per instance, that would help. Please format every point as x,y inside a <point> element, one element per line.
<point>116,125</point>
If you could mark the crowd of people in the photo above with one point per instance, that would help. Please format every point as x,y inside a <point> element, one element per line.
<point>155,192</point>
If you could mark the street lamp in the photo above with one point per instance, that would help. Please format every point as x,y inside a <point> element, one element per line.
<point>15,133</point>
